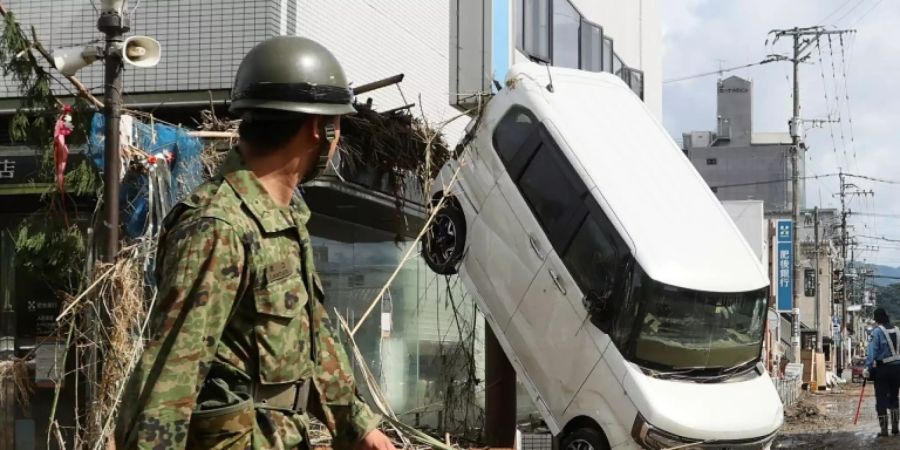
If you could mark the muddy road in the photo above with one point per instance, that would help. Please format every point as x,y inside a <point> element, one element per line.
<point>825,421</point>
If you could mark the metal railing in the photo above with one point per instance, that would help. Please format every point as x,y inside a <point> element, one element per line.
<point>789,388</point>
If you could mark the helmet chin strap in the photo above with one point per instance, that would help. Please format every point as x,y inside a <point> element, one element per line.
<point>328,134</point>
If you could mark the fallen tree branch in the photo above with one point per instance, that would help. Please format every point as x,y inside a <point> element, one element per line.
<point>35,44</point>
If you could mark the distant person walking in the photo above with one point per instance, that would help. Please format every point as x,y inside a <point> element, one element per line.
<point>883,361</point>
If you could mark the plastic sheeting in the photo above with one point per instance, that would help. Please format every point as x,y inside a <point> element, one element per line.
<point>171,171</point>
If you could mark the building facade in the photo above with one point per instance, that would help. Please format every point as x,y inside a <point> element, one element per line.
<point>738,163</point>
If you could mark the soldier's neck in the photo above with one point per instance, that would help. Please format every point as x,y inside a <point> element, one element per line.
<point>278,176</point>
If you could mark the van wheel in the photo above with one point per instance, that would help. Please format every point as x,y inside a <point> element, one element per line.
<point>446,239</point>
<point>583,439</point>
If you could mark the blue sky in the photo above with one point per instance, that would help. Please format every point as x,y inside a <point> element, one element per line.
<point>704,35</point>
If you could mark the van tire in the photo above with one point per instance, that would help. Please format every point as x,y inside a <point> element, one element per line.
<point>445,241</point>
<point>583,439</point>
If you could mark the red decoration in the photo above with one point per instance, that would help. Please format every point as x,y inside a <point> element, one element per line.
<point>62,129</point>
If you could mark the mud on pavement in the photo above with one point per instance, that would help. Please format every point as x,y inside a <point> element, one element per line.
<point>825,421</point>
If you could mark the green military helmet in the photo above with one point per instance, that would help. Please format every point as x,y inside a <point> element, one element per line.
<point>293,74</point>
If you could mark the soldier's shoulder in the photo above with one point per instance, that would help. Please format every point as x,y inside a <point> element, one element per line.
<point>212,201</point>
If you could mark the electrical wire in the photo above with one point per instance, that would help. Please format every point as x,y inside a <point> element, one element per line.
<point>871,178</point>
<point>836,97</point>
<point>866,13</point>
<point>857,5</point>
<point>847,97</point>
<point>720,71</point>
<point>832,13</point>
<point>879,238</point>
<point>825,91</point>
<point>780,180</point>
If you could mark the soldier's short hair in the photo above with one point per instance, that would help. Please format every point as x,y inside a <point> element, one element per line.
<point>267,131</point>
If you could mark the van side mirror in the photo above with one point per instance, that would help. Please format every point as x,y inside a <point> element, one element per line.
<point>598,309</point>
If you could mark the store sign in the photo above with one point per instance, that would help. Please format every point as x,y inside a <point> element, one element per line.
<point>7,169</point>
<point>36,311</point>
<point>785,265</point>
<point>21,167</point>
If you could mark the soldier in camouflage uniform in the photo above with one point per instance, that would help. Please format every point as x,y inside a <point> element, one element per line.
<point>242,347</point>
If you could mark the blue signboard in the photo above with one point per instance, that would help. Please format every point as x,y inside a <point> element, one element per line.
<point>785,268</point>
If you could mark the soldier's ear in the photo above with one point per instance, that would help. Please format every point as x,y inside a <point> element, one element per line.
<point>314,126</point>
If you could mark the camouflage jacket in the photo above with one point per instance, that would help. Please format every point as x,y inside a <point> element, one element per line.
<point>237,286</point>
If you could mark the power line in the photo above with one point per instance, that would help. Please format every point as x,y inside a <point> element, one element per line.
<point>832,13</point>
<point>721,71</point>
<point>847,96</point>
<point>867,12</point>
<point>883,215</point>
<point>780,180</point>
<point>875,179</point>
<point>825,91</point>
<point>880,238</point>
<point>860,2</point>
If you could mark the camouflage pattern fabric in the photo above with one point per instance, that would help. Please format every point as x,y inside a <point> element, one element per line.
<point>239,302</point>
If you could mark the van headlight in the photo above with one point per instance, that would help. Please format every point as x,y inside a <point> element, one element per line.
<point>652,438</point>
<point>655,439</point>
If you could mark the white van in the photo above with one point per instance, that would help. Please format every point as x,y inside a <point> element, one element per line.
<point>628,302</point>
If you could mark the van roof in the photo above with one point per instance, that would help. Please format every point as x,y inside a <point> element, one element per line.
<point>677,229</point>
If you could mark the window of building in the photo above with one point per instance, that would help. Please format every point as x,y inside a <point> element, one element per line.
<point>518,23</point>
<point>516,127</point>
<point>636,81</point>
<point>566,23</point>
<point>591,47</point>
<point>617,65</point>
<point>607,54</point>
<point>536,38</point>
<point>809,283</point>
<point>554,191</point>
<point>711,161</point>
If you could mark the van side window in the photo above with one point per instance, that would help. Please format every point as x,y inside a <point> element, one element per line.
<point>512,132</point>
<point>593,257</point>
<point>553,189</point>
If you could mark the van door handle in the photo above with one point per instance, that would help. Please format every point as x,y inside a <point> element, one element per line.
<point>555,277</point>
<point>535,246</point>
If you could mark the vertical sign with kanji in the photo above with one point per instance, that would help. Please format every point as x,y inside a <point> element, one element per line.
<point>784,230</point>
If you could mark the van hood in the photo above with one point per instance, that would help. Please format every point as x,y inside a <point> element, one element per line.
<point>735,410</point>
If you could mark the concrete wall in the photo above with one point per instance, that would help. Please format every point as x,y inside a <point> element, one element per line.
<point>735,110</point>
<point>753,166</point>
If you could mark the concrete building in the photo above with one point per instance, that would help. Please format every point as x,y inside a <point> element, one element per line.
<point>738,163</point>
<point>616,36</point>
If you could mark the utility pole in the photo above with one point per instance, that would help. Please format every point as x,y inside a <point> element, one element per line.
<point>818,285</point>
<point>113,23</point>
<point>845,242</point>
<point>803,39</point>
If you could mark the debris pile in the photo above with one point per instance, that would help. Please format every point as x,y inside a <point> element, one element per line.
<point>805,411</point>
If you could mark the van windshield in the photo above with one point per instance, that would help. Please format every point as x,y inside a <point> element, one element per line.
<point>677,329</point>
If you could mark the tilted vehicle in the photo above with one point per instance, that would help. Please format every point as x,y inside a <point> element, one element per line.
<point>625,297</point>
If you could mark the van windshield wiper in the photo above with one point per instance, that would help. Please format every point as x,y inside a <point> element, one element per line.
<point>702,374</point>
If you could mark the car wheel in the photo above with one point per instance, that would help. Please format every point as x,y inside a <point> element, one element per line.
<point>445,240</point>
<point>583,439</point>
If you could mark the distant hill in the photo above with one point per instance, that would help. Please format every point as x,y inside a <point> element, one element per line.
<point>886,271</point>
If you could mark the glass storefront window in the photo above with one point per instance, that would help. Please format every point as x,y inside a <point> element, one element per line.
<point>566,22</point>
<point>417,341</point>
